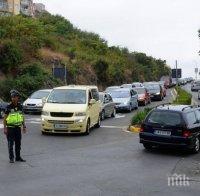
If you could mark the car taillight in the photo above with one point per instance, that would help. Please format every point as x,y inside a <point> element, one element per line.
<point>186,134</point>
<point>141,128</point>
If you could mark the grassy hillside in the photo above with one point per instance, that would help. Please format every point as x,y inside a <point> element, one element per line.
<point>28,47</point>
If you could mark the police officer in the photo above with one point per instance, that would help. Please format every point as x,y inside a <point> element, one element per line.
<point>13,122</point>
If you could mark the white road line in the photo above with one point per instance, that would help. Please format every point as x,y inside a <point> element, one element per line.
<point>114,127</point>
<point>119,116</point>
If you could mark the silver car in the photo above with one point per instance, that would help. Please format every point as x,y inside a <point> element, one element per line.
<point>34,102</point>
<point>107,106</point>
<point>125,99</point>
<point>195,85</point>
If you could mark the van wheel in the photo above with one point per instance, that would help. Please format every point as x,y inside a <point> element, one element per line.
<point>147,146</point>
<point>196,147</point>
<point>98,123</point>
<point>87,131</point>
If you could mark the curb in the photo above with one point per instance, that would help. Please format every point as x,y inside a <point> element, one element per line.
<point>134,129</point>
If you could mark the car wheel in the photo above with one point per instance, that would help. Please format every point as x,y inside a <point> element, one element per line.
<point>196,147</point>
<point>2,114</point>
<point>130,108</point>
<point>98,123</point>
<point>87,131</point>
<point>147,146</point>
<point>103,115</point>
<point>137,105</point>
<point>114,113</point>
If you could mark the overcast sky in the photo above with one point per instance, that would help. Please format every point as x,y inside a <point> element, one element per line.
<point>166,29</point>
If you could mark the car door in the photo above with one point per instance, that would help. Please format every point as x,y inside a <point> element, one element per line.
<point>112,105</point>
<point>134,98</point>
<point>106,105</point>
<point>91,108</point>
<point>96,106</point>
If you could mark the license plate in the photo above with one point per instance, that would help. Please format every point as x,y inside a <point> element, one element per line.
<point>60,126</point>
<point>164,133</point>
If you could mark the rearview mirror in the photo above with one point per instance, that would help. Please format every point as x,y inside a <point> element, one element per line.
<point>92,101</point>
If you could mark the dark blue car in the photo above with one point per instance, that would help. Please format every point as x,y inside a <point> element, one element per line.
<point>172,125</point>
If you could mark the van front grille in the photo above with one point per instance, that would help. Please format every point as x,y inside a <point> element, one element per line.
<point>61,114</point>
<point>61,122</point>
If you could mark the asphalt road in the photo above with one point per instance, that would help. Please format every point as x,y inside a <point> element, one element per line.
<point>110,161</point>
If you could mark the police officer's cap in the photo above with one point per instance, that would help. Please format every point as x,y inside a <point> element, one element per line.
<point>14,93</point>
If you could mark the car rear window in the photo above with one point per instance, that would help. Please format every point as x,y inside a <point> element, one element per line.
<point>165,118</point>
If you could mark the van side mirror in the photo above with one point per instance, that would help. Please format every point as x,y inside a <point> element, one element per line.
<point>92,101</point>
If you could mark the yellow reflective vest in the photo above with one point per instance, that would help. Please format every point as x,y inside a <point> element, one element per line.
<point>15,119</point>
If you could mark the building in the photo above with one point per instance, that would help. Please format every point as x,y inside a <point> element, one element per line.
<point>9,7</point>
<point>39,7</point>
<point>25,7</point>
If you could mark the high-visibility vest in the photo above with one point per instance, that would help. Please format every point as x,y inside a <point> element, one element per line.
<point>15,119</point>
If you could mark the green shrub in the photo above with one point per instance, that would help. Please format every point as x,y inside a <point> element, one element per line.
<point>10,55</point>
<point>183,97</point>
<point>140,116</point>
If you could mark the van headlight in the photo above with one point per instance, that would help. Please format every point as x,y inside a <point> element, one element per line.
<point>157,93</point>
<point>45,113</point>
<point>80,114</point>
<point>79,120</point>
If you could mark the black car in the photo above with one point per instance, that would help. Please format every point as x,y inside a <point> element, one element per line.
<point>172,125</point>
<point>155,90</point>
<point>3,106</point>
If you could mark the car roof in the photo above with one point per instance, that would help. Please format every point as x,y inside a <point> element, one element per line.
<point>177,108</point>
<point>123,89</point>
<point>46,90</point>
<point>80,87</point>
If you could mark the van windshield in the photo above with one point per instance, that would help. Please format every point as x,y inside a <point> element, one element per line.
<point>165,118</point>
<point>67,96</point>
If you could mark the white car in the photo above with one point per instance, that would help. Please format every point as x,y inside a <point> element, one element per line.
<point>35,102</point>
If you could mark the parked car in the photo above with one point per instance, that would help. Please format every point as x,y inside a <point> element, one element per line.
<point>131,86</point>
<point>137,85</point>
<point>71,109</point>
<point>143,96</point>
<point>199,95</point>
<point>163,89</point>
<point>111,88</point>
<point>195,86</point>
<point>155,90</point>
<point>107,106</point>
<point>34,102</point>
<point>3,106</point>
<point>172,125</point>
<point>125,99</point>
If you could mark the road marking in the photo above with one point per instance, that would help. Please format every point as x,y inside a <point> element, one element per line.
<point>120,116</point>
<point>114,127</point>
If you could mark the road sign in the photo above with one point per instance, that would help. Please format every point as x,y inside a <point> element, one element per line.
<point>60,73</point>
<point>179,73</point>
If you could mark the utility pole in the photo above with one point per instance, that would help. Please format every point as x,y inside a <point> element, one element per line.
<point>176,73</point>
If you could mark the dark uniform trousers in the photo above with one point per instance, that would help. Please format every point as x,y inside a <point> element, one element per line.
<point>14,137</point>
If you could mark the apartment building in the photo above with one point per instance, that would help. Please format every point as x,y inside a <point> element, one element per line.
<point>9,7</point>
<point>25,7</point>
